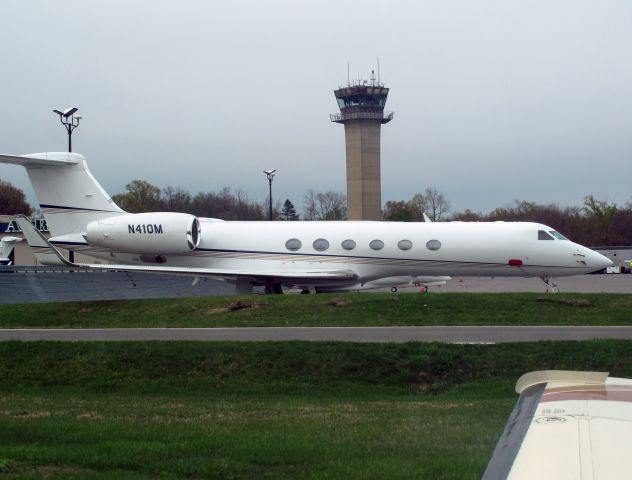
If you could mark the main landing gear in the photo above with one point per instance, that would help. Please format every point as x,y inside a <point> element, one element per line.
<point>273,287</point>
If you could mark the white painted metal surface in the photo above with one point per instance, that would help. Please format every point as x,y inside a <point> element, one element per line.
<point>71,198</point>
<point>580,429</point>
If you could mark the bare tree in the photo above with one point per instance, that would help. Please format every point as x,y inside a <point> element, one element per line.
<point>438,206</point>
<point>13,200</point>
<point>175,199</point>
<point>603,214</point>
<point>467,216</point>
<point>331,206</point>
<point>418,205</point>
<point>226,205</point>
<point>309,205</point>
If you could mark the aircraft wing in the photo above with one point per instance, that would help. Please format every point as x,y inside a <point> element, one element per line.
<point>37,239</point>
<point>566,425</point>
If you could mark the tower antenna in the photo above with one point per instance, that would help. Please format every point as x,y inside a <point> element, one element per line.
<point>378,71</point>
<point>348,79</point>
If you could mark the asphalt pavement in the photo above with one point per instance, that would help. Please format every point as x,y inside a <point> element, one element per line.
<point>456,334</point>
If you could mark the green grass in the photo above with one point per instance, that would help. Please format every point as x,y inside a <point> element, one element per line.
<point>267,410</point>
<point>331,310</point>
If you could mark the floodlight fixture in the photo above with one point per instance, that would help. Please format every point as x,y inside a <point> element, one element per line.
<point>66,113</point>
<point>270,174</point>
<point>70,121</point>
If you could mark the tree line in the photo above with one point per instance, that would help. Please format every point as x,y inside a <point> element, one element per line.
<point>595,223</point>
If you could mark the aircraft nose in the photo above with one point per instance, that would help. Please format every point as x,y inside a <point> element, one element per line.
<point>596,260</point>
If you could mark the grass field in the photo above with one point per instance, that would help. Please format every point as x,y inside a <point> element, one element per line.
<point>331,310</point>
<point>266,410</point>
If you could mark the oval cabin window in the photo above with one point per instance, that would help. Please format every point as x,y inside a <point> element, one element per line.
<point>320,244</point>
<point>293,244</point>
<point>348,244</point>
<point>405,244</point>
<point>433,244</point>
<point>376,244</point>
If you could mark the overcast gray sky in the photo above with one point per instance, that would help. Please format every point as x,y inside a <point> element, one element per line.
<point>494,100</point>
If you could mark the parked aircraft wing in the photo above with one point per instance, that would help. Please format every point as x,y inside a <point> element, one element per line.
<point>284,276</point>
<point>566,425</point>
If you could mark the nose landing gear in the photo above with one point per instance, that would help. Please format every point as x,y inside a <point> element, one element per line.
<point>551,284</point>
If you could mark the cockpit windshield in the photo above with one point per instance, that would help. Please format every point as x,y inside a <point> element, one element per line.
<point>550,235</point>
<point>557,235</point>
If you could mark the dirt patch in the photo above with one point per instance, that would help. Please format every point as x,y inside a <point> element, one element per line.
<point>89,416</point>
<point>239,305</point>
<point>48,471</point>
<point>85,310</point>
<point>339,302</point>
<point>236,306</point>
<point>574,302</point>
<point>43,414</point>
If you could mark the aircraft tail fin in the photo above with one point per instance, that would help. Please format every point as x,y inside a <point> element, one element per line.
<point>69,196</point>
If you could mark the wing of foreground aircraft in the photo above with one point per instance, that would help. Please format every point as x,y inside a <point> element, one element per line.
<point>566,425</point>
<point>39,242</point>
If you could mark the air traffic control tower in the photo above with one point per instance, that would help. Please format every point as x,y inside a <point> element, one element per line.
<point>362,113</point>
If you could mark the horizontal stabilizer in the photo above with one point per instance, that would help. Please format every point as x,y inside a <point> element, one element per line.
<point>45,159</point>
<point>37,242</point>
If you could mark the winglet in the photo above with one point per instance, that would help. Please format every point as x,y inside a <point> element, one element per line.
<point>43,250</point>
<point>6,247</point>
<point>426,218</point>
<point>568,376</point>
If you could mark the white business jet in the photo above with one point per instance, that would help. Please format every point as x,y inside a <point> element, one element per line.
<point>82,217</point>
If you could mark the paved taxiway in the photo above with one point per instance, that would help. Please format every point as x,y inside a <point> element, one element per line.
<point>474,334</point>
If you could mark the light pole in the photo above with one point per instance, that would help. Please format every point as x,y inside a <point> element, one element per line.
<point>270,174</point>
<point>70,121</point>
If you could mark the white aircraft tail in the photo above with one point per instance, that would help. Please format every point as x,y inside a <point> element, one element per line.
<point>69,196</point>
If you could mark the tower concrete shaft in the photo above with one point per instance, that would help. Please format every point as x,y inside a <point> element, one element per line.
<point>362,114</point>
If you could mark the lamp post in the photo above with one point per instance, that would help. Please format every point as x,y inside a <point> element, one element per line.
<point>270,174</point>
<point>70,121</point>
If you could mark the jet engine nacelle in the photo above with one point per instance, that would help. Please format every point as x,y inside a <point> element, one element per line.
<point>150,233</point>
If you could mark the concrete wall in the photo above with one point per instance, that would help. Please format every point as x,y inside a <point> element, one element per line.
<point>364,194</point>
